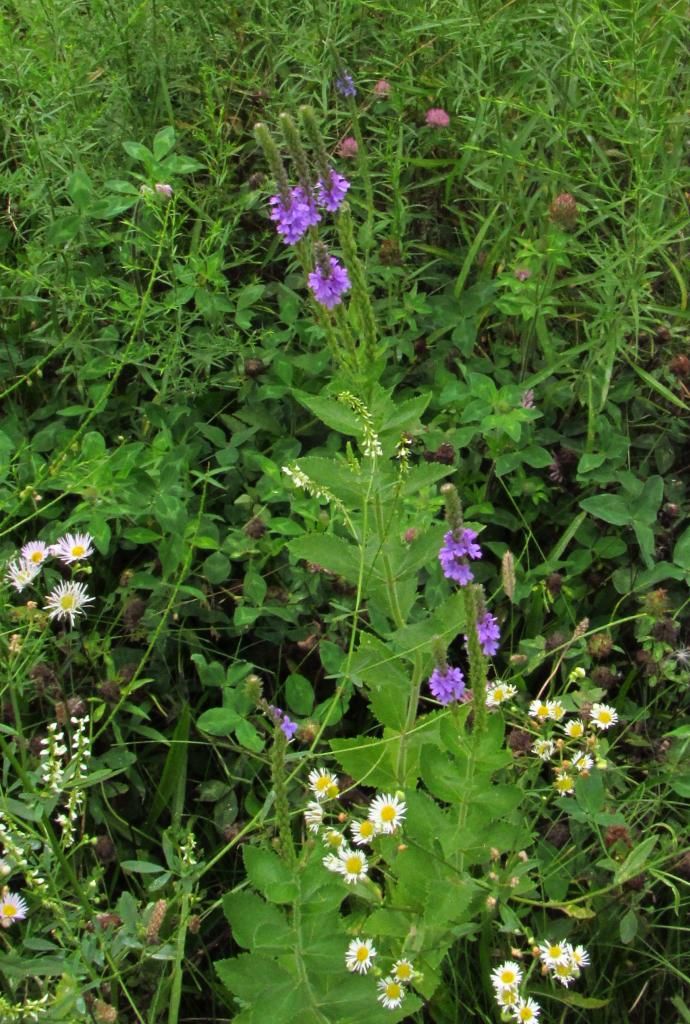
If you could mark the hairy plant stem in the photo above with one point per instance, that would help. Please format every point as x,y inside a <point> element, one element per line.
<point>477,662</point>
<point>282,808</point>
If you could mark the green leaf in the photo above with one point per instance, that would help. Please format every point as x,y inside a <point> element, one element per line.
<point>249,737</point>
<point>612,508</point>
<point>163,142</point>
<point>273,995</point>
<point>218,721</point>
<point>628,927</point>
<point>141,867</point>
<point>681,552</point>
<point>216,567</point>
<point>269,874</point>
<point>334,414</point>
<point>635,861</point>
<point>138,152</point>
<point>299,694</point>
<point>256,924</point>
<point>331,552</point>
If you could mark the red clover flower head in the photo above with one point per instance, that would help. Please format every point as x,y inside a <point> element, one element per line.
<point>447,684</point>
<point>330,195</point>
<point>329,281</point>
<point>348,147</point>
<point>437,118</point>
<point>294,217</point>
<point>382,89</point>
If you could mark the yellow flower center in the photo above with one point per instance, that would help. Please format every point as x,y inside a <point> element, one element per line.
<point>508,977</point>
<point>498,694</point>
<point>332,790</point>
<point>366,829</point>
<point>525,1013</point>
<point>542,711</point>
<point>393,990</point>
<point>576,729</point>
<point>67,602</point>
<point>78,550</point>
<point>334,839</point>
<point>605,717</point>
<point>9,910</point>
<point>37,557</point>
<point>362,954</point>
<point>403,972</point>
<point>353,865</point>
<point>323,782</point>
<point>556,951</point>
<point>388,813</point>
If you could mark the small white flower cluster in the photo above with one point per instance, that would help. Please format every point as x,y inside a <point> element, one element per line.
<point>385,815</point>
<point>66,599</point>
<point>300,479</point>
<point>371,444</point>
<point>575,761</point>
<point>56,775</point>
<point>359,958</point>
<point>26,1012</point>
<point>18,854</point>
<point>559,959</point>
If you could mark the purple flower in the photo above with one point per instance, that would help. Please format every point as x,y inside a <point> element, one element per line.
<point>447,684</point>
<point>527,400</point>
<point>287,726</point>
<point>345,84</point>
<point>296,217</point>
<point>348,147</point>
<point>332,194</point>
<point>437,118</point>
<point>458,546</point>
<point>489,634</point>
<point>328,286</point>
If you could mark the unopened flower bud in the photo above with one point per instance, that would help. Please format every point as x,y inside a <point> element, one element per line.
<point>508,575</point>
<point>164,189</point>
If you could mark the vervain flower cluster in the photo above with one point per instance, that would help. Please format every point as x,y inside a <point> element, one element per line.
<point>297,211</point>
<point>67,599</point>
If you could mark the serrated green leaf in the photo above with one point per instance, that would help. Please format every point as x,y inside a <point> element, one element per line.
<point>270,875</point>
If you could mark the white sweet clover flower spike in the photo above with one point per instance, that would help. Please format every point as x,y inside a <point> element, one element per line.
<point>603,716</point>
<point>391,993</point>
<point>73,547</point>
<point>507,976</point>
<point>387,812</point>
<point>67,600</point>
<point>359,956</point>
<point>21,574</point>
<point>35,552</point>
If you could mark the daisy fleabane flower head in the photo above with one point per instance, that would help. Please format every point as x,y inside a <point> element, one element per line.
<point>539,709</point>
<point>387,812</point>
<point>21,574</point>
<point>578,956</point>
<point>552,953</point>
<point>360,955</point>
<point>323,784</point>
<point>67,600</point>
<point>526,1011</point>
<point>556,710</point>
<point>582,762</point>
<point>363,832</point>
<point>391,993</point>
<point>603,716</point>
<point>506,998</point>
<point>403,970</point>
<point>73,547</point>
<point>507,975</point>
<point>35,552</point>
<point>565,973</point>
<point>564,784</point>
<point>313,816</point>
<point>12,908</point>
<point>353,865</point>
<point>498,693</point>
<point>575,728</point>
<point>333,839</point>
<point>544,749</point>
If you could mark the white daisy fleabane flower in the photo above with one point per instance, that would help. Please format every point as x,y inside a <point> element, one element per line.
<point>35,552</point>
<point>352,865</point>
<point>313,816</point>
<point>360,955</point>
<point>391,993</point>
<point>575,729</point>
<point>363,832</point>
<point>403,970</point>
<point>323,784</point>
<point>332,862</point>
<point>582,762</point>
<point>556,710</point>
<point>21,574</point>
<point>12,908</point>
<point>564,783</point>
<point>539,709</point>
<point>499,693</point>
<point>603,716</point>
<point>507,998</point>
<point>333,839</point>
<point>73,547</point>
<point>67,600</point>
<point>387,812</point>
<point>565,973</point>
<point>526,1011</point>
<point>507,975</point>
<point>552,953</point>
<point>543,749</point>
<point>578,956</point>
